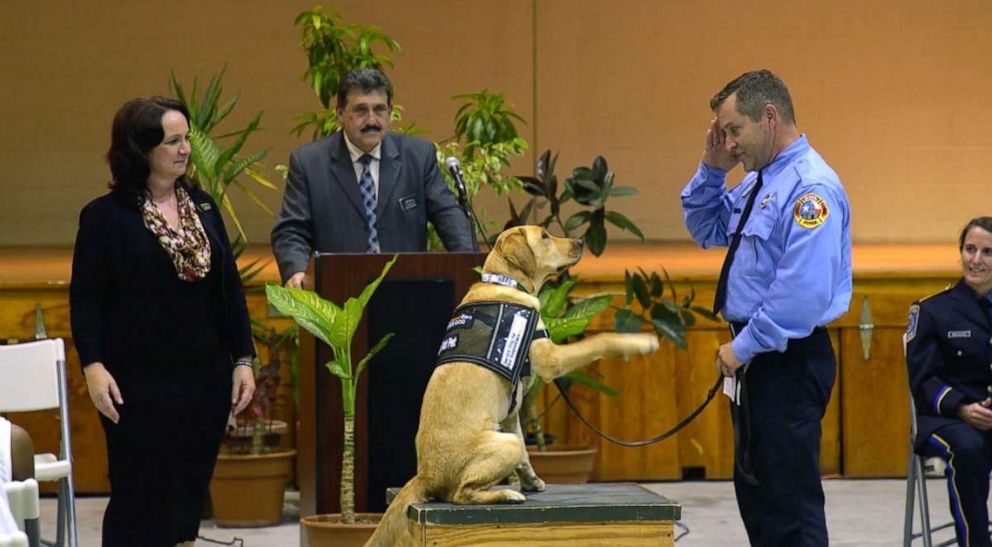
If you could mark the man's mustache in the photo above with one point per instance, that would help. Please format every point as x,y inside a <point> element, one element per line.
<point>369,128</point>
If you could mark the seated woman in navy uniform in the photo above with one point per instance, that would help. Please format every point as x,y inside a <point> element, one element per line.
<point>949,355</point>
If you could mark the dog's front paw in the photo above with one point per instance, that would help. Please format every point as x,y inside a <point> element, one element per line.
<point>535,485</point>
<point>511,496</point>
<point>640,344</point>
<point>529,481</point>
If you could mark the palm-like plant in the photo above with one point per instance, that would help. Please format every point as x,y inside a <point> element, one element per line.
<point>335,326</point>
<point>216,166</point>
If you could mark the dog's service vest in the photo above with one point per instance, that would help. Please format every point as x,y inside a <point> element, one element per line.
<point>493,335</point>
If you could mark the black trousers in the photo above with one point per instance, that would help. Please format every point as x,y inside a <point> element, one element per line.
<point>778,427</point>
<point>968,452</point>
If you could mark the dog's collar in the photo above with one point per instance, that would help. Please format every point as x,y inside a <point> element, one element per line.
<point>500,279</point>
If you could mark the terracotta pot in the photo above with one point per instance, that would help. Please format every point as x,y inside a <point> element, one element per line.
<point>247,490</point>
<point>327,530</point>
<point>563,464</point>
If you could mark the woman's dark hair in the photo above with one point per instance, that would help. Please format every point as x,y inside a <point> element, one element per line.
<point>137,128</point>
<point>984,223</point>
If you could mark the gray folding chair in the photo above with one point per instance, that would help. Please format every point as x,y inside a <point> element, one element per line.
<point>916,487</point>
<point>33,377</point>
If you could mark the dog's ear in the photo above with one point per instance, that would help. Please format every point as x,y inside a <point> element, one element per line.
<point>517,252</point>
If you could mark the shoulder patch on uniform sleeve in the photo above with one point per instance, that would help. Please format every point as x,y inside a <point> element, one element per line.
<point>914,320</point>
<point>811,210</point>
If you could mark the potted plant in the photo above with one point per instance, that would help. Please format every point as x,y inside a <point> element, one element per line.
<point>564,318</point>
<point>335,326</point>
<point>216,166</point>
<point>252,457</point>
<point>484,141</point>
<point>333,48</point>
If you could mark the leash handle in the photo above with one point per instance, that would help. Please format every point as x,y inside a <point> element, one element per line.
<point>645,442</point>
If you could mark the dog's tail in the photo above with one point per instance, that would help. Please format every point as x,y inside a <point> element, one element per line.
<point>393,524</point>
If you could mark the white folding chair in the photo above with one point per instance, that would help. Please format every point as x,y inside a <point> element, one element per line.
<point>22,499</point>
<point>33,377</point>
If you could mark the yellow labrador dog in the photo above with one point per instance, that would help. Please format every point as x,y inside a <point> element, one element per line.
<point>470,436</point>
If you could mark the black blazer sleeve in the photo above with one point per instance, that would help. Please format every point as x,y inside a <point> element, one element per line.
<point>237,323</point>
<point>90,281</point>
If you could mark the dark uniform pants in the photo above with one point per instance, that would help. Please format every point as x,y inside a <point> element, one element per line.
<point>778,428</point>
<point>968,454</point>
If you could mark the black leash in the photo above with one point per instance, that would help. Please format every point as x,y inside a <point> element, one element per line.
<point>685,421</point>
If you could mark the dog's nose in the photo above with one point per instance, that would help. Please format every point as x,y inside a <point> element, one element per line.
<point>580,242</point>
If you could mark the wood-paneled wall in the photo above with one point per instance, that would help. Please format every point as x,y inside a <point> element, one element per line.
<point>865,430</point>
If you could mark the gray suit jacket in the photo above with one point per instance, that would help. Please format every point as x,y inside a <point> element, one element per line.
<point>322,206</point>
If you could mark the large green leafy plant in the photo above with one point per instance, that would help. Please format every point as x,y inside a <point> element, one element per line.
<point>589,188</point>
<point>485,141</point>
<point>659,306</point>
<point>564,318</point>
<point>334,48</point>
<point>335,326</point>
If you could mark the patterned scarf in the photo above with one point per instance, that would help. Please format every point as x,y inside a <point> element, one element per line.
<point>188,246</point>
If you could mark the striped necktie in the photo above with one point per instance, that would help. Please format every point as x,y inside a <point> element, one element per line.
<point>367,187</point>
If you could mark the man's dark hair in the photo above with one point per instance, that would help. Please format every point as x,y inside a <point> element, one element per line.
<point>754,90</point>
<point>136,130</point>
<point>365,80</point>
<point>984,223</point>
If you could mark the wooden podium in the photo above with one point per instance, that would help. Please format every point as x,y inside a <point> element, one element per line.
<point>414,302</point>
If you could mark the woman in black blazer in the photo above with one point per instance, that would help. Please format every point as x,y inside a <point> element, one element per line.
<point>159,318</point>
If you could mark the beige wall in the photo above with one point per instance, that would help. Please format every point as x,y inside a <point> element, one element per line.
<point>891,92</point>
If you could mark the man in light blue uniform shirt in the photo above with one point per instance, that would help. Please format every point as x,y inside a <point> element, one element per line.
<point>786,275</point>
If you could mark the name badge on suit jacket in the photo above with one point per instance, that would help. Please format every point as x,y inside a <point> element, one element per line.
<point>407,203</point>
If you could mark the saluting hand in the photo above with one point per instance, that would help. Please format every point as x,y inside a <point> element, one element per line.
<point>715,154</point>
<point>977,414</point>
<point>103,390</point>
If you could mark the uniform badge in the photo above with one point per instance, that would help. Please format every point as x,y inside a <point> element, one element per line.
<point>914,320</point>
<point>765,200</point>
<point>959,334</point>
<point>811,211</point>
<point>205,206</point>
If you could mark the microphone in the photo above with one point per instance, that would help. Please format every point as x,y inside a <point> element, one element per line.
<point>455,168</point>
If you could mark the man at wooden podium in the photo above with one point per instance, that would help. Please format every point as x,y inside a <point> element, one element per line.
<point>363,189</point>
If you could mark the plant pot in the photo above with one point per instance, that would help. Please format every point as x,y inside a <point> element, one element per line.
<point>563,464</point>
<point>248,490</point>
<point>239,440</point>
<point>327,530</point>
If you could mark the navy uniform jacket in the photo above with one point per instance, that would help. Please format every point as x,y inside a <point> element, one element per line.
<point>322,207</point>
<point>949,355</point>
